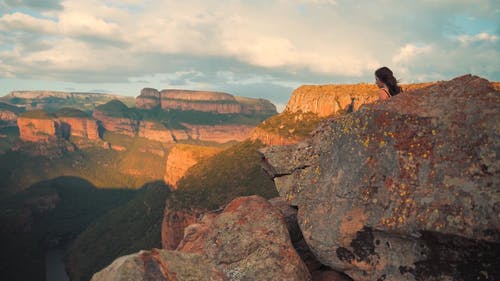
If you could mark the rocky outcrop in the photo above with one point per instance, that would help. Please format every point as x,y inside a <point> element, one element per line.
<point>124,126</point>
<point>8,114</point>
<point>206,101</point>
<point>155,131</point>
<point>251,106</point>
<point>247,241</point>
<point>173,225</point>
<point>272,138</point>
<point>79,127</point>
<point>219,133</point>
<point>402,190</point>
<point>327,100</point>
<point>38,129</point>
<point>182,157</point>
<point>216,102</point>
<point>148,99</point>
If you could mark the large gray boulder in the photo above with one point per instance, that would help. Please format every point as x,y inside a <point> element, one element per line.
<point>406,189</point>
<point>249,240</point>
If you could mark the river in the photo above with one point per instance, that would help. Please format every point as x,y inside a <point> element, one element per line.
<point>54,264</point>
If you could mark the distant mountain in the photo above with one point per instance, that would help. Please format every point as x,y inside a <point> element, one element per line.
<point>53,100</point>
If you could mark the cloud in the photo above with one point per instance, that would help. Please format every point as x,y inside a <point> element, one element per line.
<point>409,52</point>
<point>260,47</point>
<point>466,39</point>
<point>35,4</point>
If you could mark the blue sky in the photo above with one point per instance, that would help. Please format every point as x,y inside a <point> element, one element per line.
<point>250,48</point>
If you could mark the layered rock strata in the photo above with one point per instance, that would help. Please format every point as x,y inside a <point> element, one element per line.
<point>38,130</point>
<point>124,126</point>
<point>247,241</point>
<point>402,190</point>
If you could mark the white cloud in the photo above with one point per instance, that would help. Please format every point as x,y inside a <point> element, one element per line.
<point>20,21</point>
<point>409,52</point>
<point>483,36</point>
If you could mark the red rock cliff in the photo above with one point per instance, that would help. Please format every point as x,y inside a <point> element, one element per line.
<point>37,130</point>
<point>219,133</point>
<point>123,126</point>
<point>80,127</point>
<point>149,98</point>
<point>182,157</point>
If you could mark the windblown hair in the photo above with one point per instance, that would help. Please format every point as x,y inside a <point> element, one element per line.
<point>384,74</point>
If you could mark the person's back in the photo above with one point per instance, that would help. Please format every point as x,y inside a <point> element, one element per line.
<point>387,83</point>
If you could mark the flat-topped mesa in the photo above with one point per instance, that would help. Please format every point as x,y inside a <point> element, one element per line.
<point>148,99</point>
<point>41,126</point>
<point>327,100</point>
<point>206,101</point>
<point>217,102</point>
<point>38,126</point>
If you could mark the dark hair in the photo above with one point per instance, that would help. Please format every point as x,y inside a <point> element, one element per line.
<point>384,74</point>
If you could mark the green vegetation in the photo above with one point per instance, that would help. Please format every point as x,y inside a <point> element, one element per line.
<point>217,180</point>
<point>8,137</point>
<point>71,112</point>
<point>116,108</point>
<point>288,124</point>
<point>124,230</point>
<point>12,108</point>
<point>38,114</point>
<point>53,210</point>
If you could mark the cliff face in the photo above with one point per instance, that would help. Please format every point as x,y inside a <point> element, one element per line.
<point>205,101</point>
<point>249,240</point>
<point>272,138</point>
<point>37,130</point>
<point>219,133</point>
<point>404,189</point>
<point>80,127</point>
<point>8,118</point>
<point>154,131</point>
<point>148,99</point>
<point>182,157</point>
<point>125,126</point>
<point>327,100</point>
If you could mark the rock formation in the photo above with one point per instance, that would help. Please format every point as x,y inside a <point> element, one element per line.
<point>155,131</point>
<point>218,133</point>
<point>80,127</point>
<point>327,100</point>
<point>405,189</point>
<point>205,101</point>
<point>173,225</point>
<point>182,157</point>
<point>272,138</point>
<point>41,126</point>
<point>148,99</point>
<point>38,129</point>
<point>247,241</point>
<point>8,114</point>
<point>119,125</point>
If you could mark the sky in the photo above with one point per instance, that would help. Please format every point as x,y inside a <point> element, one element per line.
<point>253,48</point>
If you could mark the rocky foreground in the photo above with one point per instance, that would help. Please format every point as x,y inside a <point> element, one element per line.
<point>402,190</point>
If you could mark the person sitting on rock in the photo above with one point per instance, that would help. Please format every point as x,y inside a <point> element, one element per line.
<point>387,83</point>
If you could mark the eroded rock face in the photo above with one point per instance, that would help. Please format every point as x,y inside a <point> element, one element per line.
<point>80,127</point>
<point>148,99</point>
<point>402,190</point>
<point>182,157</point>
<point>153,131</point>
<point>37,130</point>
<point>219,133</point>
<point>328,100</point>
<point>217,102</point>
<point>247,241</point>
<point>270,138</point>
<point>9,118</point>
<point>124,126</point>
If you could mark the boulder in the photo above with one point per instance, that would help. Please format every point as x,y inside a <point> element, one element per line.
<point>247,241</point>
<point>405,189</point>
